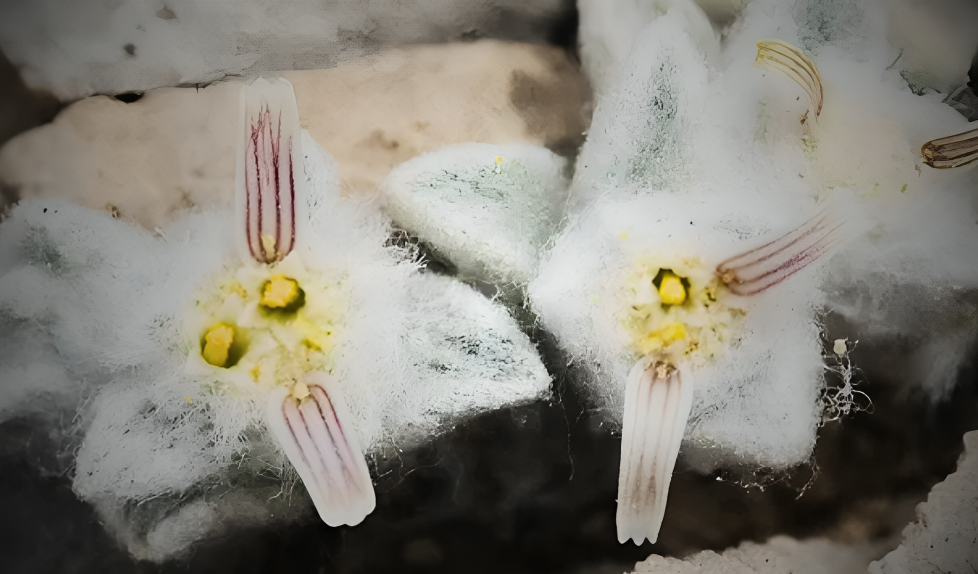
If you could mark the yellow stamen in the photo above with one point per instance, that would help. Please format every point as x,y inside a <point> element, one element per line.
<point>499,159</point>
<point>280,292</point>
<point>190,401</point>
<point>671,290</point>
<point>217,343</point>
<point>623,235</point>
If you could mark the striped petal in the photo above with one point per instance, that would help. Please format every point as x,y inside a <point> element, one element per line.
<point>952,151</point>
<point>768,265</point>
<point>269,171</point>
<point>791,61</point>
<point>657,405</point>
<point>316,435</point>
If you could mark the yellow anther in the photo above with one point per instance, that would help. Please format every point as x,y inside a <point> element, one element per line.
<point>671,290</point>
<point>280,292</point>
<point>190,401</point>
<point>300,390</point>
<point>217,343</point>
<point>499,159</point>
<point>623,235</point>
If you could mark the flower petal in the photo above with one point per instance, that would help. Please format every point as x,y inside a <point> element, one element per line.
<point>269,172</point>
<point>319,440</point>
<point>791,61</point>
<point>657,405</point>
<point>768,265</point>
<point>952,151</point>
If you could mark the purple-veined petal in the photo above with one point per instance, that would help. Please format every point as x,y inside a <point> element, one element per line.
<point>270,171</point>
<point>952,151</point>
<point>316,435</point>
<point>657,405</point>
<point>768,265</point>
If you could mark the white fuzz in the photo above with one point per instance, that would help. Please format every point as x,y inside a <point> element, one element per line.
<point>489,209</point>
<point>169,457</point>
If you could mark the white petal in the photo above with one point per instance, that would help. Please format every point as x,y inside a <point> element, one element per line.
<point>269,176</point>
<point>657,405</point>
<point>319,440</point>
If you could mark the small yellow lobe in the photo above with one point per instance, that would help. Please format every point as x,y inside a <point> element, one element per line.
<point>217,343</point>
<point>280,292</point>
<point>499,159</point>
<point>255,372</point>
<point>190,401</point>
<point>671,290</point>
<point>300,390</point>
<point>268,242</point>
<point>670,333</point>
<point>623,235</point>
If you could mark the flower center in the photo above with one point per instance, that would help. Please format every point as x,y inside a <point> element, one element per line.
<point>280,292</point>
<point>671,310</point>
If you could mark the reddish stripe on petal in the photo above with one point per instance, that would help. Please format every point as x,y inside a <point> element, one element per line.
<point>768,265</point>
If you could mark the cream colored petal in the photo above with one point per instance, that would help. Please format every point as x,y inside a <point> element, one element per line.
<point>269,174</point>
<point>791,61</point>
<point>657,405</point>
<point>322,445</point>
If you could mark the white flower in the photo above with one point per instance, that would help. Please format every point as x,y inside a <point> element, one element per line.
<point>222,351</point>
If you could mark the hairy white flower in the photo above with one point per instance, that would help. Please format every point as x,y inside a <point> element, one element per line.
<point>232,346</point>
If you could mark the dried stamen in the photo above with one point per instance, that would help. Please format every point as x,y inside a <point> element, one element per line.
<point>783,57</point>
<point>952,151</point>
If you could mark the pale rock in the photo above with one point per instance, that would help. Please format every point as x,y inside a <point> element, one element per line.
<point>76,49</point>
<point>175,147</point>
<point>945,536</point>
<point>779,555</point>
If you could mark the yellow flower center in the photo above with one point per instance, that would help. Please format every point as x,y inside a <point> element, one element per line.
<point>280,292</point>
<point>217,344</point>
<point>671,289</point>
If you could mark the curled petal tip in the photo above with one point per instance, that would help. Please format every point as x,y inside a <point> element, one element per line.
<point>783,57</point>
<point>269,172</point>
<point>952,151</point>
<point>760,269</point>
<point>316,435</point>
<point>657,405</point>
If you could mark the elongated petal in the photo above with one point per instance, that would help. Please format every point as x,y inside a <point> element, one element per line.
<point>657,405</point>
<point>952,151</point>
<point>791,61</point>
<point>316,435</point>
<point>761,268</point>
<point>269,172</point>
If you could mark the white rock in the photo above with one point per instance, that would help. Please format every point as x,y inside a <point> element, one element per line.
<point>78,49</point>
<point>778,555</point>
<point>945,536</point>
